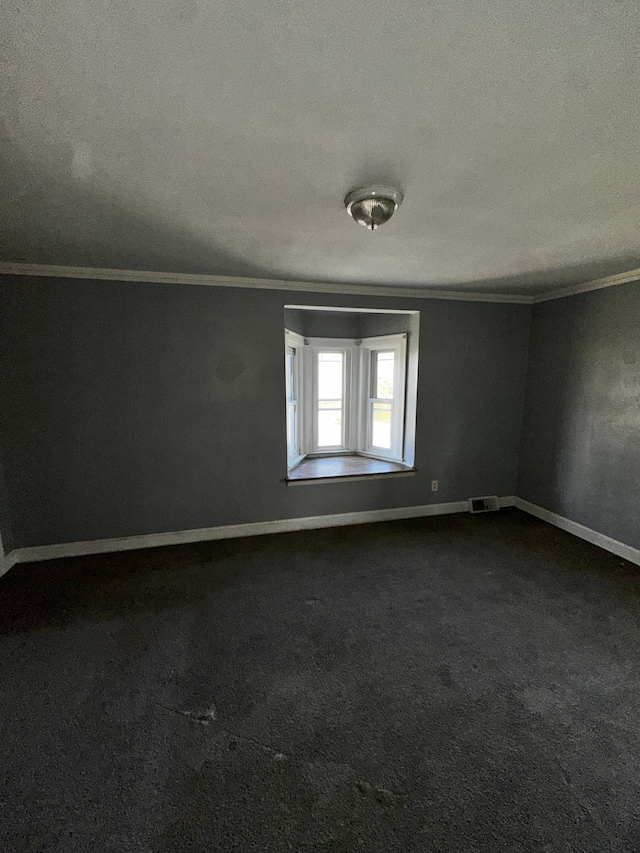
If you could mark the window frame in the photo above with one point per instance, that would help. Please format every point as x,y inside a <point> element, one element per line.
<point>357,400</point>
<point>397,344</point>
<point>314,347</point>
<point>295,342</point>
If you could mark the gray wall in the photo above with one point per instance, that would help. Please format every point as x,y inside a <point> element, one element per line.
<point>141,408</point>
<point>370,325</point>
<point>294,320</point>
<point>337,325</point>
<point>320,324</point>
<point>580,453</point>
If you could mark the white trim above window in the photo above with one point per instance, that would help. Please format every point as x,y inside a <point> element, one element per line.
<point>346,396</point>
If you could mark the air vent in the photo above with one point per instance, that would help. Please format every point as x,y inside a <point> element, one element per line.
<point>487,504</point>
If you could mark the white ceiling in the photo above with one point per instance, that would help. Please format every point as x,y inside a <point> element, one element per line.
<point>221,137</point>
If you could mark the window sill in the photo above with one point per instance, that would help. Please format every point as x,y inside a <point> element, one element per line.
<point>337,469</point>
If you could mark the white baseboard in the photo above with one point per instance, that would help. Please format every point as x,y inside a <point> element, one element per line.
<point>8,562</point>
<point>229,531</point>
<point>314,522</point>
<point>627,552</point>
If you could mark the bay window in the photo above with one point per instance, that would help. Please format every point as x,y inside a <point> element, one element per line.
<point>345,396</point>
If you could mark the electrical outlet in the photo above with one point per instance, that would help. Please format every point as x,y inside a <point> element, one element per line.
<point>434,485</point>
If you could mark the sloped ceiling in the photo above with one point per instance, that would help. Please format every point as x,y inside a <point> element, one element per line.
<point>221,137</point>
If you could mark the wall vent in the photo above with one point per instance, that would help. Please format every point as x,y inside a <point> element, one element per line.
<point>486,504</point>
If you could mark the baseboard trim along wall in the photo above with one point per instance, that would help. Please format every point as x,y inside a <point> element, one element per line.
<point>313,522</point>
<point>627,552</point>
<point>230,531</point>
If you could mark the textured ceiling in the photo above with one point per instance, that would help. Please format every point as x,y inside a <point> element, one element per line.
<point>221,137</point>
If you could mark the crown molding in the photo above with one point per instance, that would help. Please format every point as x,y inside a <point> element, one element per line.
<point>151,277</point>
<point>38,270</point>
<point>596,284</point>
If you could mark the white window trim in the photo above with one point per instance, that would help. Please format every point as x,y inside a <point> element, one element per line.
<point>350,408</point>
<point>357,381</point>
<point>383,343</point>
<point>296,342</point>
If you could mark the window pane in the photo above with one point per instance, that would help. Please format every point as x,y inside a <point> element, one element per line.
<point>381,425</point>
<point>289,374</point>
<point>291,428</point>
<point>330,428</point>
<point>384,376</point>
<point>330,375</point>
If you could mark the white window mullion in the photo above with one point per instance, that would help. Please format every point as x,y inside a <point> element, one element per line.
<point>360,398</point>
<point>353,395</point>
<point>307,402</point>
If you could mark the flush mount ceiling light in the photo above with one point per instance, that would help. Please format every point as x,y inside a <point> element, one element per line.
<point>373,206</point>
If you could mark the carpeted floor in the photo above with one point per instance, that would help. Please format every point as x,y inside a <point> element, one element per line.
<point>463,683</point>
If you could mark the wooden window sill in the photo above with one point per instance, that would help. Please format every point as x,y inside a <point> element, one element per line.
<point>337,469</point>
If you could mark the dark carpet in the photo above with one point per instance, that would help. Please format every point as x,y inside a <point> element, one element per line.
<point>463,683</point>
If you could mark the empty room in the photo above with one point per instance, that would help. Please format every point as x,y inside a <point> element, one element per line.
<point>320,427</point>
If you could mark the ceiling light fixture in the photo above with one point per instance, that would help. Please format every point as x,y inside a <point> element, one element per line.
<point>373,206</point>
